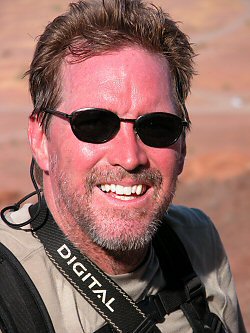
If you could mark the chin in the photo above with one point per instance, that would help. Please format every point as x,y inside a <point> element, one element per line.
<point>124,236</point>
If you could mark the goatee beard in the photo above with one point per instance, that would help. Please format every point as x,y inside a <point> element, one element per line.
<point>80,207</point>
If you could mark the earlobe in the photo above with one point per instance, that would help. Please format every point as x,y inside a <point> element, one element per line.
<point>38,143</point>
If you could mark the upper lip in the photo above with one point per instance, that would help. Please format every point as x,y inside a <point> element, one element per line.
<point>126,182</point>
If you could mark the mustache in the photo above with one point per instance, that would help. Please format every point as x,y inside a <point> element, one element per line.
<point>141,175</point>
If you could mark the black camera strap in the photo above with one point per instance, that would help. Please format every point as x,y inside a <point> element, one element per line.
<point>184,290</point>
<point>104,295</point>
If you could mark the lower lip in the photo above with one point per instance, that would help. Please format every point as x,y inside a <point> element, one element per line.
<point>126,197</point>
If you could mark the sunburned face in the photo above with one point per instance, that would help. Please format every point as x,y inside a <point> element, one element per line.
<point>115,191</point>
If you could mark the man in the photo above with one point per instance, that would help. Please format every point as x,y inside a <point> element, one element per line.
<point>109,81</point>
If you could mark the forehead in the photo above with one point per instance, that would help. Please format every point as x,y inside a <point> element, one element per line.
<point>124,75</point>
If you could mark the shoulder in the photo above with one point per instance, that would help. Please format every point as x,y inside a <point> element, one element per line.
<point>20,242</point>
<point>190,222</point>
<point>199,236</point>
<point>184,217</point>
<point>207,255</point>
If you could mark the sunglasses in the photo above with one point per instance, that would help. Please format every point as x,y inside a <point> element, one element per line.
<point>95,125</point>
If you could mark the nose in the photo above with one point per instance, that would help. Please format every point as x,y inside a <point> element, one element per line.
<point>127,150</point>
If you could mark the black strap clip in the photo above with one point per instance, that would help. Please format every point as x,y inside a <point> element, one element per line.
<point>147,326</point>
<point>194,288</point>
<point>215,324</point>
<point>154,306</point>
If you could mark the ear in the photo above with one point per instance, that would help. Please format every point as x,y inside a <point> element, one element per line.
<point>182,154</point>
<point>38,143</point>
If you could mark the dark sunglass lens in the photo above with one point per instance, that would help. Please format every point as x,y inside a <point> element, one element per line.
<point>159,129</point>
<point>95,125</point>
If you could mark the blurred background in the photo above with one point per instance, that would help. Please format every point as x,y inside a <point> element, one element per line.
<point>217,174</point>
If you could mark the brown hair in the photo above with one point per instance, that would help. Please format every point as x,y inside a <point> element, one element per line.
<point>93,27</point>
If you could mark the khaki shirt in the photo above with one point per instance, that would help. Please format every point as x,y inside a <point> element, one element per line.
<point>70,313</point>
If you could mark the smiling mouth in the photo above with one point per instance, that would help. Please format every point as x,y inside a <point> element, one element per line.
<point>124,192</point>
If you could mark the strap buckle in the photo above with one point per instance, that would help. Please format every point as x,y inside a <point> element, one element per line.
<point>147,326</point>
<point>194,288</point>
<point>215,324</point>
<point>153,305</point>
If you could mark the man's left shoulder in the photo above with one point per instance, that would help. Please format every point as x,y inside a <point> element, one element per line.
<point>188,218</point>
<point>199,236</point>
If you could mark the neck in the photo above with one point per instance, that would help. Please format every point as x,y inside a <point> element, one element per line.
<point>111,262</point>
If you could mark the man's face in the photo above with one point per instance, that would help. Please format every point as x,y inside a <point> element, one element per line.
<point>115,191</point>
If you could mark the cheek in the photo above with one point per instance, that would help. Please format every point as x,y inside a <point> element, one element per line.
<point>165,160</point>
<point>74,158</point>
<point>169,168</point>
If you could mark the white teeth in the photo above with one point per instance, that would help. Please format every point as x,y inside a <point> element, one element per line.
<point>127,190</point>
<point>107,188</point>
<point>123,197</point>
<point>139,189</point>
<point>134,189</point>
<point>119,189</point>
<point>122,190</point>
<point>113,188</point>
